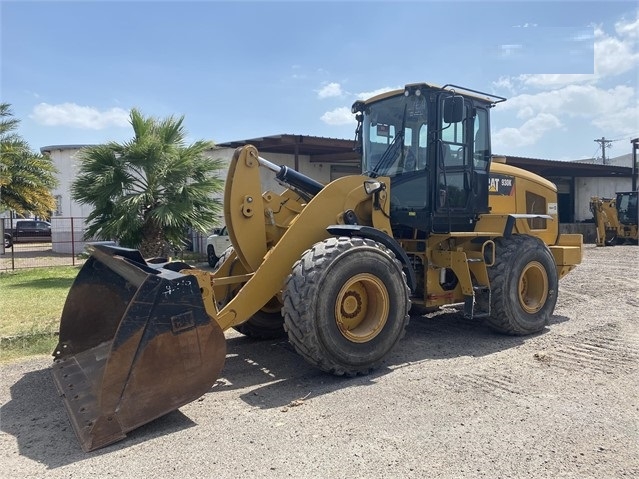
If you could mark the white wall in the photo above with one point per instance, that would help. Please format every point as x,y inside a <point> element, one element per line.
<point>318,171</point>
<point>586,187</point>
<point>64,158</point>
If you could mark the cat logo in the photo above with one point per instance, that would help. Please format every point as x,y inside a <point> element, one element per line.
<point>503,185</point>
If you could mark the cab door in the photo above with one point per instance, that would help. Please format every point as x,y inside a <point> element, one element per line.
<point>461,179</point>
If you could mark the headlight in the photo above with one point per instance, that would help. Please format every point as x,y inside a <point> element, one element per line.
<point>372,186</point>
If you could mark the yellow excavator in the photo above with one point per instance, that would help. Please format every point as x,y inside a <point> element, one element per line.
<point>338,268</point>
<point>615,218</point>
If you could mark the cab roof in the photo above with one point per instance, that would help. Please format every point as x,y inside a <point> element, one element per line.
<point>414,87</point>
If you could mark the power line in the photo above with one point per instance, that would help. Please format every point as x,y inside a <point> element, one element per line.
<point>603,143</point>
<point>607,143</point>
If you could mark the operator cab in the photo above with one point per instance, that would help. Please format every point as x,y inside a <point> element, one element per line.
<point>434,144</point>
<point>627,211</point>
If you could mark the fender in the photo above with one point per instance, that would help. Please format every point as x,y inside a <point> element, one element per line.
<point>380,237</point>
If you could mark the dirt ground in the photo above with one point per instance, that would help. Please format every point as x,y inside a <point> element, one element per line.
<point>454,400</point>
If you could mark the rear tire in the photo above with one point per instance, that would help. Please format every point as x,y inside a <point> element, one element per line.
<point>267,323</point>
<point>8,241</point>
<point>264,324</point>
<point>346,305</point>
<point>524,285</point>
<point>611,238</point>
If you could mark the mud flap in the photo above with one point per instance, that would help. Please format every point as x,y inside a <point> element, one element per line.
<point>135,344</point>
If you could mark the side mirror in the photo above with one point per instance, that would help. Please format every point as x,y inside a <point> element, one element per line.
<point>453,109</point>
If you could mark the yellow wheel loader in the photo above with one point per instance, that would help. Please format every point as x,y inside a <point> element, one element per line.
<point>432,220</point>
<point>615,218</point>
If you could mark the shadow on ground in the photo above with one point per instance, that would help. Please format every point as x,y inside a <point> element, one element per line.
<point>36,417</point>
<point>273,374</point>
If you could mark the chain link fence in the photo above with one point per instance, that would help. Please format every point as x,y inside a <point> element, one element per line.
<point>65,246</point>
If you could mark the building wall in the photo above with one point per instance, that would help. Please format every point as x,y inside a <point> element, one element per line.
<point>318,171</point>
<point>65,160</point>
<point>586,187</point>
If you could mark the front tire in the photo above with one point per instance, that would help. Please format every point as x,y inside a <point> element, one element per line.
<point>346,305</point>
<point>524,285</point>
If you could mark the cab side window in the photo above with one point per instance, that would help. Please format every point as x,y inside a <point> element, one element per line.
<point>454,141</point>
<point>455,167</point>
<point>481,146</point>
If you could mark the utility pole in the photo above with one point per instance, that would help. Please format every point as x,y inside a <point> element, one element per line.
<point>604,144</point>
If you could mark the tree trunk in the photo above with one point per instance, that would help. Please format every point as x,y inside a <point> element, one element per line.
<point>154,243</point>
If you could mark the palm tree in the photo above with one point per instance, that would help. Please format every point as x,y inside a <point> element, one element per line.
<point>148,191</point>
<point>26,178</point>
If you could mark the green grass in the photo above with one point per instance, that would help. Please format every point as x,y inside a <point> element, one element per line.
<point>31,304</point>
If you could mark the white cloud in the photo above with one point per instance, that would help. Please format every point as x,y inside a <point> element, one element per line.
<point>76,116</point>
<point>527,134</point>
<point>330,90</point>
<point>339,116</point>
<point>614,111</point>
<point>506,83</point>
<point>628,28</point>
<point>624,122</point>
<point>525,112</point>
<point>554,80</point>
<point>582,101</point>
<point>613,56</point>
<point>343,115</point>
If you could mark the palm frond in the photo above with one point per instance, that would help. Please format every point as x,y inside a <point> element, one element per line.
<point>151,188</point>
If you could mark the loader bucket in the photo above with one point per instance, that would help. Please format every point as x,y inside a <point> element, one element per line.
<point>135,344</point>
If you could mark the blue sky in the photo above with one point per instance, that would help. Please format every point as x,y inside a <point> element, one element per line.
<point>237,70</point>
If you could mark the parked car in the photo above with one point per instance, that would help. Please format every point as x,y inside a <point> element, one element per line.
<point>216,244</point>
<point>27,231</point>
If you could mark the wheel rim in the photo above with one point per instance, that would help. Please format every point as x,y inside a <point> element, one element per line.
<point>533,287</point>
<point>361,309</point>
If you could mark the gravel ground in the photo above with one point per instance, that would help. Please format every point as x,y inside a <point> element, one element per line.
<point>454,400</point>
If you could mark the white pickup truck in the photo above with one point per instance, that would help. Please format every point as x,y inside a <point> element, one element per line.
<point>216,244</point>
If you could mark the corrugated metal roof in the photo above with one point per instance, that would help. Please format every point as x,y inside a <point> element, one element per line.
<point>319,148</point>
<point>554,168</point>
<point>338,150</point>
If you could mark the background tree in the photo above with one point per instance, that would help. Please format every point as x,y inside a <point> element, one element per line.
<point>148,191</point>
<point>26,178</point>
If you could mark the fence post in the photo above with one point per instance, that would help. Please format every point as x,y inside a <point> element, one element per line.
<point>13,247</point>
<point>72,243</point>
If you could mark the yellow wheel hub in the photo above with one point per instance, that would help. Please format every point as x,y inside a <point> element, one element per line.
<point>362,307</point>
<point>533,287</point>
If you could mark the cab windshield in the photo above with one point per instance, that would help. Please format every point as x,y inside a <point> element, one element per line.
<point>395,132</point>
<point>627,208</point>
